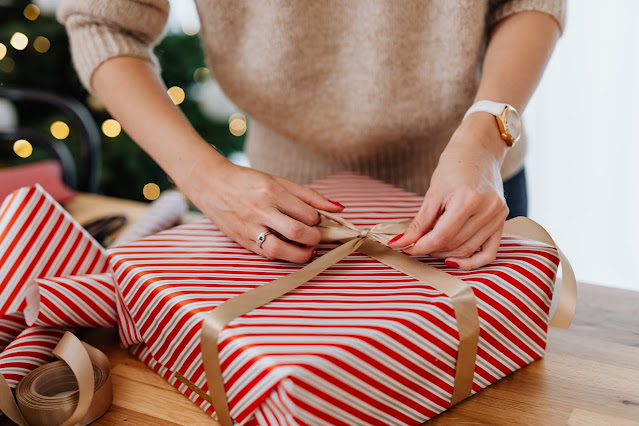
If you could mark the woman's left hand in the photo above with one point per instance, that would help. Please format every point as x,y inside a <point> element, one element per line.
<point>464,209</point>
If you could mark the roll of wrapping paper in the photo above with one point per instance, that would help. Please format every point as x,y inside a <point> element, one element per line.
<point>10,327</point>
<point>38,238</point>
<point>78,301</point>
<point>161,214</point>
<point>74,391</point>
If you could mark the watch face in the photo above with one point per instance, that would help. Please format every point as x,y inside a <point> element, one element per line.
<point>514,124</point>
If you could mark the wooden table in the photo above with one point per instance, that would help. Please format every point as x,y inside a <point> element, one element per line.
<point>589,376</point>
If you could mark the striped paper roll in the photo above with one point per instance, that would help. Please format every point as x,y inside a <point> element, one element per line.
<point>31,349</point>
<point>10,327</point>
<point>362,343</point>
<point>161,214</point>
<point>79,301</point>
<point>38,238</point>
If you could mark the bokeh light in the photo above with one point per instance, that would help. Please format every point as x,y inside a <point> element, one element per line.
<point>22,148</point>
<point>237,116</point>
<point>176,94</point>
<point>151,191</point>
<point>191,28</point>
<point>19,41</point>
<point>111,128</point>
<point>237,127</point>
<point>3,51</point>
<point>41,44</point>
<point>7,64</point>
<point>31,12</point>
<point>201,75</point>
<point>59,130</point>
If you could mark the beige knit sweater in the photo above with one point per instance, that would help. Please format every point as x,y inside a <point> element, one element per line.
<point>374,86</point>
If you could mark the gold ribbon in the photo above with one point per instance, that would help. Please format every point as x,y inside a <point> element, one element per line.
<point>74,391</point>
<point>354,238</point>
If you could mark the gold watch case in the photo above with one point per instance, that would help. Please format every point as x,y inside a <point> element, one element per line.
<point>509,125</point>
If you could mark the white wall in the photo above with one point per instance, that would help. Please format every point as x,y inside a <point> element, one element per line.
<point>583,164</point>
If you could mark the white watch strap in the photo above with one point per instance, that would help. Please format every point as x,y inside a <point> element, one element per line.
<point>494,108</point>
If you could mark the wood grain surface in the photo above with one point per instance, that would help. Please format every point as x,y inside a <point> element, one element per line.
<point>589,376</point>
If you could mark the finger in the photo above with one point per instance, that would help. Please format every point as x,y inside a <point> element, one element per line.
<point>448,225</point>
<point>470,246</point>
<point>292,206</point>
<point>423,222</point>
<point>486,255</point>
<point>274,248</point>
<point>310,196</point>
<point>293,229</point>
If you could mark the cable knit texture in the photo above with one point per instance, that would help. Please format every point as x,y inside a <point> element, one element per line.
<point>376,87</point>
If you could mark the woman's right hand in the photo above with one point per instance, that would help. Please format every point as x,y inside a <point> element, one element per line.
<point>244,202</point>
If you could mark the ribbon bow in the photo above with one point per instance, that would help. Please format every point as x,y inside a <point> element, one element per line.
<point>335,228</point>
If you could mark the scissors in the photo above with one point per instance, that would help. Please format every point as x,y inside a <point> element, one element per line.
<point>101,229</point>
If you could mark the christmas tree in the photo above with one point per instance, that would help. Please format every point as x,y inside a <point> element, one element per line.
<point>34,54</point>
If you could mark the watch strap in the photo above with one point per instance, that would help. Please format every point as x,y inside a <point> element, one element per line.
<point>494,108</point>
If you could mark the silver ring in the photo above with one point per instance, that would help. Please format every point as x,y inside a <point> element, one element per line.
<point>262,237</point>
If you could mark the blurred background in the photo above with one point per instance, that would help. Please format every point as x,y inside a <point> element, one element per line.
<point>582,163</point>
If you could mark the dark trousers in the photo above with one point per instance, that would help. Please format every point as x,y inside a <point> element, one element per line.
<point>516,195</point>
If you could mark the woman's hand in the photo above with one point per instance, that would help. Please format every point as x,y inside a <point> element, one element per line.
<point>464,209</point>
<point>244,202</point>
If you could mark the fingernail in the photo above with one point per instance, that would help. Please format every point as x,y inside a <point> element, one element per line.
<point>452,264</point>
<point>395,238</point>
<point>341,206</point>
<point>406,253</point>
<point>314,253</point>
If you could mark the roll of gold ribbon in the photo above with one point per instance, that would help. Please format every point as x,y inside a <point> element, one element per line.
<point>74,391</point>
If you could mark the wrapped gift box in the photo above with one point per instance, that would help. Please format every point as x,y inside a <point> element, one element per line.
<point>362,343</point>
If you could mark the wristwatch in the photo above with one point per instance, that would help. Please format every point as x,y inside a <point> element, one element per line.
<point>507,119</point>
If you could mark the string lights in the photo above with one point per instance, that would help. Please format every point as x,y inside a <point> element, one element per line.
<point>176,94</point>
<point>3,51</point>
<point>19,41</point>
<point>151,191</point>
<point>59,130</point>
<point>237,124</point>
<point>201,75</point>
<point>22,148</point>
<point>111,128</point>
<point>41,44</point>
<point>31,12</point>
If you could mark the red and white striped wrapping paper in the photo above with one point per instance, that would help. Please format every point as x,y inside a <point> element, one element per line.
<point>78,301</point>
<point>360,344</point>
<point>10,327</point>
<point>38,238</point>
<point>28,351</point>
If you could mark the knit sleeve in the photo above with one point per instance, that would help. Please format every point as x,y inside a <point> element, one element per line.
<point>501,9</point>
<point>103,29</point>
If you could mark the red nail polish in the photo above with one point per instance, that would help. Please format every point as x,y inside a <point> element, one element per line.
<point>406,253</point>
<point>452,264</point>
<point>314,253</point>
<point>341,206</point>
<point>395,238</point>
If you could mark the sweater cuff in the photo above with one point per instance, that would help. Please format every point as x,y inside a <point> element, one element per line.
<point>504,9</point>
<point>93,43</point>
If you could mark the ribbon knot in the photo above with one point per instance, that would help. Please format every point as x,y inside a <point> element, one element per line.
<point>364,233</point>
<point>335,228</point>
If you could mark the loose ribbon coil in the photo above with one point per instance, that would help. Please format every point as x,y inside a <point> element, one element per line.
<point>74,391</point>
<point>337,229</point>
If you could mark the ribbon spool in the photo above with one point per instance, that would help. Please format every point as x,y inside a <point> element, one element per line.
<point>74,391</point>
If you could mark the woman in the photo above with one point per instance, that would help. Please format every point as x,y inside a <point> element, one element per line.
<point>378,87</point>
